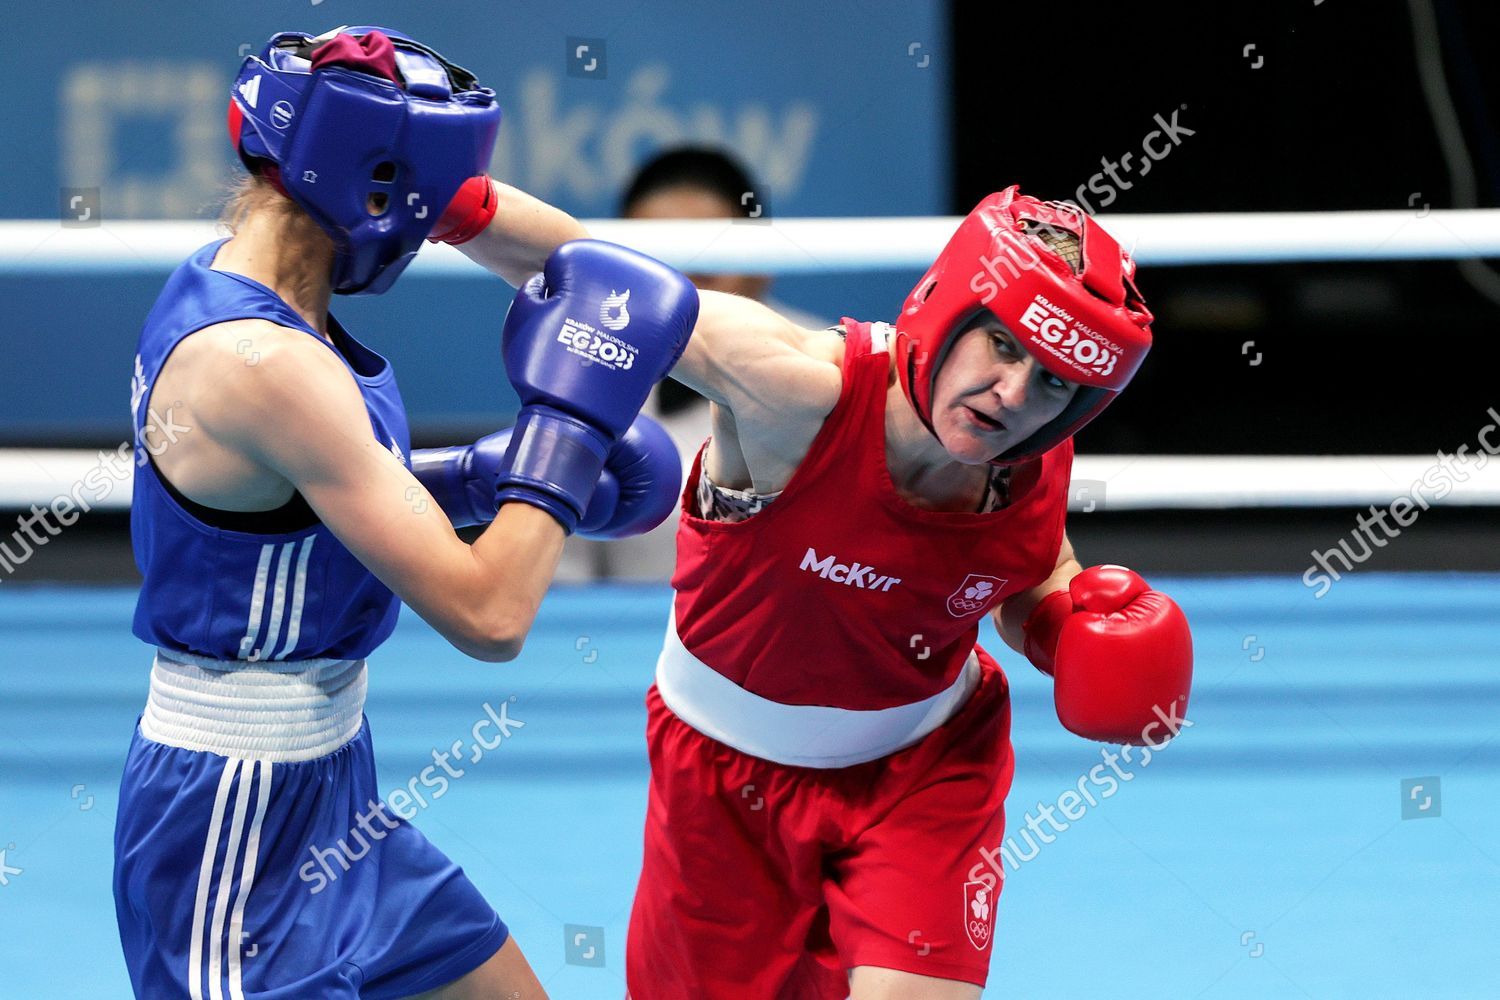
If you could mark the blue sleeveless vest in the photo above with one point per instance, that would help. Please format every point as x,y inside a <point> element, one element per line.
<point>238,595</point>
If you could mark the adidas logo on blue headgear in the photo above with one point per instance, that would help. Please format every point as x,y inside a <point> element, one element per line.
<point>373,161</point>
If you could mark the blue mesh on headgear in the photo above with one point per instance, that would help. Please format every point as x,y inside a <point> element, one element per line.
<point>338,136</point>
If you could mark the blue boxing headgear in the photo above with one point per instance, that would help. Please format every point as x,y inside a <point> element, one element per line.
<point>373,161</point>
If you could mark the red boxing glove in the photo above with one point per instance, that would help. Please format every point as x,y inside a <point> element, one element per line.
<point>468,213</point>
<point>1120,653</point>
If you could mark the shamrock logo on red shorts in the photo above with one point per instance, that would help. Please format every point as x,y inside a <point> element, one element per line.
<point>979,913</point>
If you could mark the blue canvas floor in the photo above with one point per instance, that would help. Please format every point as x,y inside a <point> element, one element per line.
<point>1262,854</point>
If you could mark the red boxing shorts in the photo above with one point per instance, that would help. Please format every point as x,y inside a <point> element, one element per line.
<point>766,880</point>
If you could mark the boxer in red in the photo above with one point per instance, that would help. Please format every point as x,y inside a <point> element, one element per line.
<point>830,749</point>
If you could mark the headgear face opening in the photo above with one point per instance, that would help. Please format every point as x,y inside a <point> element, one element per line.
<point>1088,326</point>
<point>373,161</point>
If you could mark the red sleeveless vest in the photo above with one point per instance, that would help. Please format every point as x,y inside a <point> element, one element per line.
<point>840,593</point>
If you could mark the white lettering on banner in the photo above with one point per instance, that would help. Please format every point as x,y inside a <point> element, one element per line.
<point>581,149</point>
<point>589,149</point>
<point>104,102</point>
<point>849,574</point>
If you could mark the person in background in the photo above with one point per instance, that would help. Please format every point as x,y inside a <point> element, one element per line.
<point>683,182</point>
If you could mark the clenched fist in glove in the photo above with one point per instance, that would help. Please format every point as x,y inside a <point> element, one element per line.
<point>636,490</point>
<point>584,342</point>
<point>1120,655</point>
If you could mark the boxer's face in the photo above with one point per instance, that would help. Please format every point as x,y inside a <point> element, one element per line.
<point>990,394</point>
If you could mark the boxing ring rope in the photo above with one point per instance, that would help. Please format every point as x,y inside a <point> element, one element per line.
<point>1100,482</point>
<point>833,245</point>
<point>822,246</point>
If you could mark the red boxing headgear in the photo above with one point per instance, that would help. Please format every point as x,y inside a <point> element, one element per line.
<point>1090,327</point>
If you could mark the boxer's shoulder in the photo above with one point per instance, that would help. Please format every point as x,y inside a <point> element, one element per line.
<point>776,369</point>
<point>803,386</point>
<point>258,352</point>
<point>760,444</point>
<point>825,345</point>
<point>249,377</point>
<point>246,343</point>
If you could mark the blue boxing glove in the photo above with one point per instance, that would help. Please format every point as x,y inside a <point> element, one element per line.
<point>640,485</point>
<point>462,478</point>
<point>636,490</point>
<point>584,342</point>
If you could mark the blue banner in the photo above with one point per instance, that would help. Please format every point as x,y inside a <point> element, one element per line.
<point>835,109</point>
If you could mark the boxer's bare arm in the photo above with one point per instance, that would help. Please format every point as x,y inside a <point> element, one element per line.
<point>524,231</point>
<point>776,380</point>
<point>1011,615</point>
<point>295,420</point>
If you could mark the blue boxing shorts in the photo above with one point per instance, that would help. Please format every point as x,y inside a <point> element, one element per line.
<point>255,873</point>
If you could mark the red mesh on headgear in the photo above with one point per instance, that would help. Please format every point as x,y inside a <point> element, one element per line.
<point>1089,327</point>
<point>370,53</point>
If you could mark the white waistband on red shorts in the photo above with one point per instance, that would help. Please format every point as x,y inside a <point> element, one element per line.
<point>280,711</point>
<point>799,735</point>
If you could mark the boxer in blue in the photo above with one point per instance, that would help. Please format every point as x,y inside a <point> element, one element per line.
<point>280,528</point>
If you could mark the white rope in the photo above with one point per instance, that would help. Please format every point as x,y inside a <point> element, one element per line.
<point>786,246</point>
<point>1205,482</point>
<point>1100,482</point>
<point>843,245</point>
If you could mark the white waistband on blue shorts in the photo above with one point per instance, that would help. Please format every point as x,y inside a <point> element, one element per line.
<point>279,711</point>
<point>799,735</point>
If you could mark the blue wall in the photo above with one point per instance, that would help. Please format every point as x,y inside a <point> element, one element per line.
<point>840,109</point>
